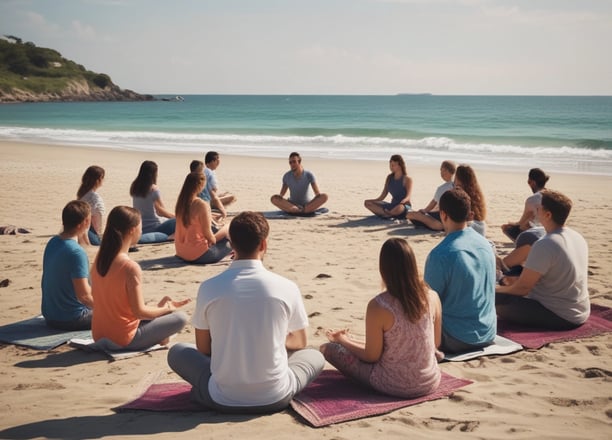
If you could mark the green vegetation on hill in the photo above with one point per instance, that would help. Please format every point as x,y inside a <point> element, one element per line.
<point>24,67</point>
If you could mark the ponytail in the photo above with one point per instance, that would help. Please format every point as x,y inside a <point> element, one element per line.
<point>120,220</point>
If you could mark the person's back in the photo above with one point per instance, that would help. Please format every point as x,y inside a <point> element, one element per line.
<point>407,366</point>
<point>66,294</point>
<point>189,240</point>
<point>63,261</point>
<point>250,354</point>
<point>249,311</point>
<point>531,205</point>
<point>462,271</point>
<point>563,286</point>
<point>146,206</point>
<point>113,318</point>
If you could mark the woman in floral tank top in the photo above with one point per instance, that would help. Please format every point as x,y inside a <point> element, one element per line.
<point>403,328</point>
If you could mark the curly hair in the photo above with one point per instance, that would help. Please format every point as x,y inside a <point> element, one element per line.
<point>465,178</point>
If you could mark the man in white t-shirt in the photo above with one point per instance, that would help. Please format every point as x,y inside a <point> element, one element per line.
<point>537,182</point>
<point>525,232</point>
<point>552,290</point>
<point>250,328</point>
<point>430,215</point>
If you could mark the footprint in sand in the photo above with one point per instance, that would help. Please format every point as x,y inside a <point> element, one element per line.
<point>594,350</point>
<point>594,372</point>
<point>451,425</point>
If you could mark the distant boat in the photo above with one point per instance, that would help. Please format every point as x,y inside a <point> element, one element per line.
<point>414,94</point>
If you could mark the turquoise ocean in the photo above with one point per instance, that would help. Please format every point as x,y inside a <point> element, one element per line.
<point>557,133</point>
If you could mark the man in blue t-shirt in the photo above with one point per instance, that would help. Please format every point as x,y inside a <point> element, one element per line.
<point>298,181</point>
<point>462,270</point>
<point>66,294</point>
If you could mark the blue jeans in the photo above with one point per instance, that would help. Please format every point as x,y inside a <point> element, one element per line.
<point>214,253</point>
<point>94,238</point>
<point>160,233</point>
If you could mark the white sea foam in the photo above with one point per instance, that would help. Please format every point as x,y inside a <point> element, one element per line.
<point>424,150</point>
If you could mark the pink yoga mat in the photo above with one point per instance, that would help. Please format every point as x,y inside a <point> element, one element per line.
<point>331,398</point>
<point>599,322</point>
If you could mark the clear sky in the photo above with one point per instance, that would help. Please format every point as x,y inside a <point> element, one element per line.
<point>549,47</point>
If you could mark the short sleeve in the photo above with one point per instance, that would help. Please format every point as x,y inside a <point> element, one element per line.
<point>80,264</point>
<point>98,204</point>
<point>433,276</point>
<point>299,318</point>
<point>541,256</point>
<point>199,319</point>
<point>311,177</point>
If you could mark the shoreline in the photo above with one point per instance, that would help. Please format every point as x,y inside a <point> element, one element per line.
<point>313,155</point>
<point>67,393</point>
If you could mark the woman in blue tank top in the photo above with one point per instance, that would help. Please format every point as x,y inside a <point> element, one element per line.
<point>399,185</point>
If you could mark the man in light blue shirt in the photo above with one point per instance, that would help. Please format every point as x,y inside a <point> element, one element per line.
<point>462,270</point>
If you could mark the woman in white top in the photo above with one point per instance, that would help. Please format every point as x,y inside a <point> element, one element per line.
<point>90,182</point>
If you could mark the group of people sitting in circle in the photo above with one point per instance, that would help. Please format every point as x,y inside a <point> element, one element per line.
<point>250,353</point>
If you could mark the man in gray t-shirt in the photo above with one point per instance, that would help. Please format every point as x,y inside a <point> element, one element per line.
<point>552,290</point>
<point>299,183</point>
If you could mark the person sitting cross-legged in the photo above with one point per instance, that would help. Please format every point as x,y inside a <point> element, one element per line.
<point>552,290</point>
<point>250,354</point>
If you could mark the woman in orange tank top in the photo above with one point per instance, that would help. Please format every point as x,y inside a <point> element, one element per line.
<point>197,240</point>
<point>121,319</point>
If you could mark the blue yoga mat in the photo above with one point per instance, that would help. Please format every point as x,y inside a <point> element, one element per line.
<point>34,333</point>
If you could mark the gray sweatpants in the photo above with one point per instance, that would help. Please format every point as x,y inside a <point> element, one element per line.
<point>194,367</point>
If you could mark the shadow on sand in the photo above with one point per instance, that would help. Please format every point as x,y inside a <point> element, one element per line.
<point>119,425</point>
<point>374,223</point>
<point>63,359</point>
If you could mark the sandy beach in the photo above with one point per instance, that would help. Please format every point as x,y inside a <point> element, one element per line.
<point>562,391</point>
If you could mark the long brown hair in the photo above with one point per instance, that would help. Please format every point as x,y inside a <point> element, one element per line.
<point>120,220</point>
<point>466,178</point>
<point>90,178</point>
<point>147,177</point>
<point>399,160</point>
<point>194,182</point>
<point>400,274</point>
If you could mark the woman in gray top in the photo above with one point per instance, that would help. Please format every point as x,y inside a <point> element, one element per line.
<point>158,224</point>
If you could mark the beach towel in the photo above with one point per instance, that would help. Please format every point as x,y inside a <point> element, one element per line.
<point>333,398</point>
<point>34,333</point>
<point>88,344</point>
<point>599,322</point>
<point>283,215</point>
<point>500,346</point>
